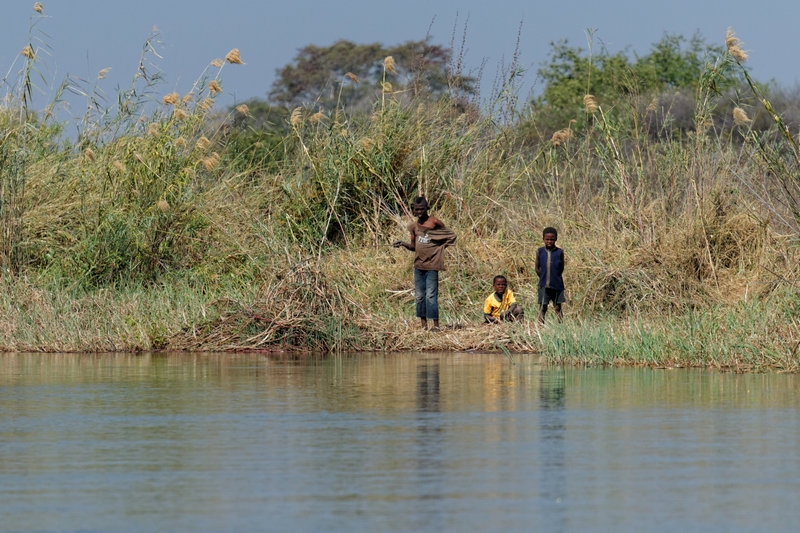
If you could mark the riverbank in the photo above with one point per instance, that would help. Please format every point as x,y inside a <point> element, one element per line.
<point>362,300</point>
<point>169,224</point>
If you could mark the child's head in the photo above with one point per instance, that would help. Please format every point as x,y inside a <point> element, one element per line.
<point>420,206</point>
<point>499,284</point>
<point>549,236</point>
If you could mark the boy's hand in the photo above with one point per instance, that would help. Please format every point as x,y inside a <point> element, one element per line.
<point>398,244</point>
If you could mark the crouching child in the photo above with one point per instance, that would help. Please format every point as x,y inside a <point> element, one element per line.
<point>501,304</point>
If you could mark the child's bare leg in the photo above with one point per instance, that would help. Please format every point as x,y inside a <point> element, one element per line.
<point>542,312</point>
<point>559,314</point>
<point>424,323</point>
<point>435,323</point>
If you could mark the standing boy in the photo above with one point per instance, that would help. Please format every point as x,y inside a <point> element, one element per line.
<point>501,304</point>
<point>429,237</point>
<point>550,267</point>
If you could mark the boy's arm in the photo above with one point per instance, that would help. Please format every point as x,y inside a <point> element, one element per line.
<point>487,311</point>
<point>411,245</point>
<point>538,266</point>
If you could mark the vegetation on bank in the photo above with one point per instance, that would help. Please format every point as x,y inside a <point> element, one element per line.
<point>169,224</point>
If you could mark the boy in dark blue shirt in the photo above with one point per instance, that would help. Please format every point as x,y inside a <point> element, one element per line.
<point>550,267</point>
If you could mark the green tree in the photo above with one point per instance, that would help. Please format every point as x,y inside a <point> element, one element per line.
<point>675,62</point>
<point>674,65</point>
<point>351,75</point>
<point>570,74</point>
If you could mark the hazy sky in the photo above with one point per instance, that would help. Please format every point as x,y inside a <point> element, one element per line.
<point>85,36</point>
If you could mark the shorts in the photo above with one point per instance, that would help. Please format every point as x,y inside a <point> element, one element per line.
<point>551,295</point>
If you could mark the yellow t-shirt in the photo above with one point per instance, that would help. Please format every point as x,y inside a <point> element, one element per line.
<point>493,307</point>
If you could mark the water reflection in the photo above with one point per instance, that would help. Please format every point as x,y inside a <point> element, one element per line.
<point>428,386</point>
<point>552,426</point>
<point>430,452</point>
<point>390,442</point>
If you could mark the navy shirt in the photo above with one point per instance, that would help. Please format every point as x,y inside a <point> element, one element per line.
<point>551,267</point>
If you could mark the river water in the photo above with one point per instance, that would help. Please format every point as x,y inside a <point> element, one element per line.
<point>391,442</point>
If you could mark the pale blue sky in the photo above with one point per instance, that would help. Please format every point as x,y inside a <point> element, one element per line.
<point>86,36</point>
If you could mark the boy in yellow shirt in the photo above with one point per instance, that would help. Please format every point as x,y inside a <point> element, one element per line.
<point>501,304</point>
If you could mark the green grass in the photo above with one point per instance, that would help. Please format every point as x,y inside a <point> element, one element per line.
<point>60,319</point>
<point>746,337</point>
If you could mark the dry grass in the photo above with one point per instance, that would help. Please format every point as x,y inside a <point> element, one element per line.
<point>150,233</point>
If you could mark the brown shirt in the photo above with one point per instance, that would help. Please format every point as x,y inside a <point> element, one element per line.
<point>429,246</point>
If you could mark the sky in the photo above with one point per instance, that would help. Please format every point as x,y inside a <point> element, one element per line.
<point>82,37</point>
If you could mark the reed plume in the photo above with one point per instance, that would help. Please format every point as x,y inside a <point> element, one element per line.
<point>234,57</point>
<point>179,114</point>
<point>589,103</point>
<point>296,116</point>
<point>203,143</point>
<point>211,161</point>
<point>740,117</point>
<point>171,99</point>
<point>214,87</point>
<point>734,46</point>
<point>561,136</point>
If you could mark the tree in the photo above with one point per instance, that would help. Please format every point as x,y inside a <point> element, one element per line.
<point>675,62</point>
<point>672,69</point>
<point>571,74</point>
<point>350,74</point>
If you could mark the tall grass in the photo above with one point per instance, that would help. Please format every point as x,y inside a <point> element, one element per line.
<point>745,337</point>
<point>162,225</point>
<point>26,142</point>
<point>36,317</point>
